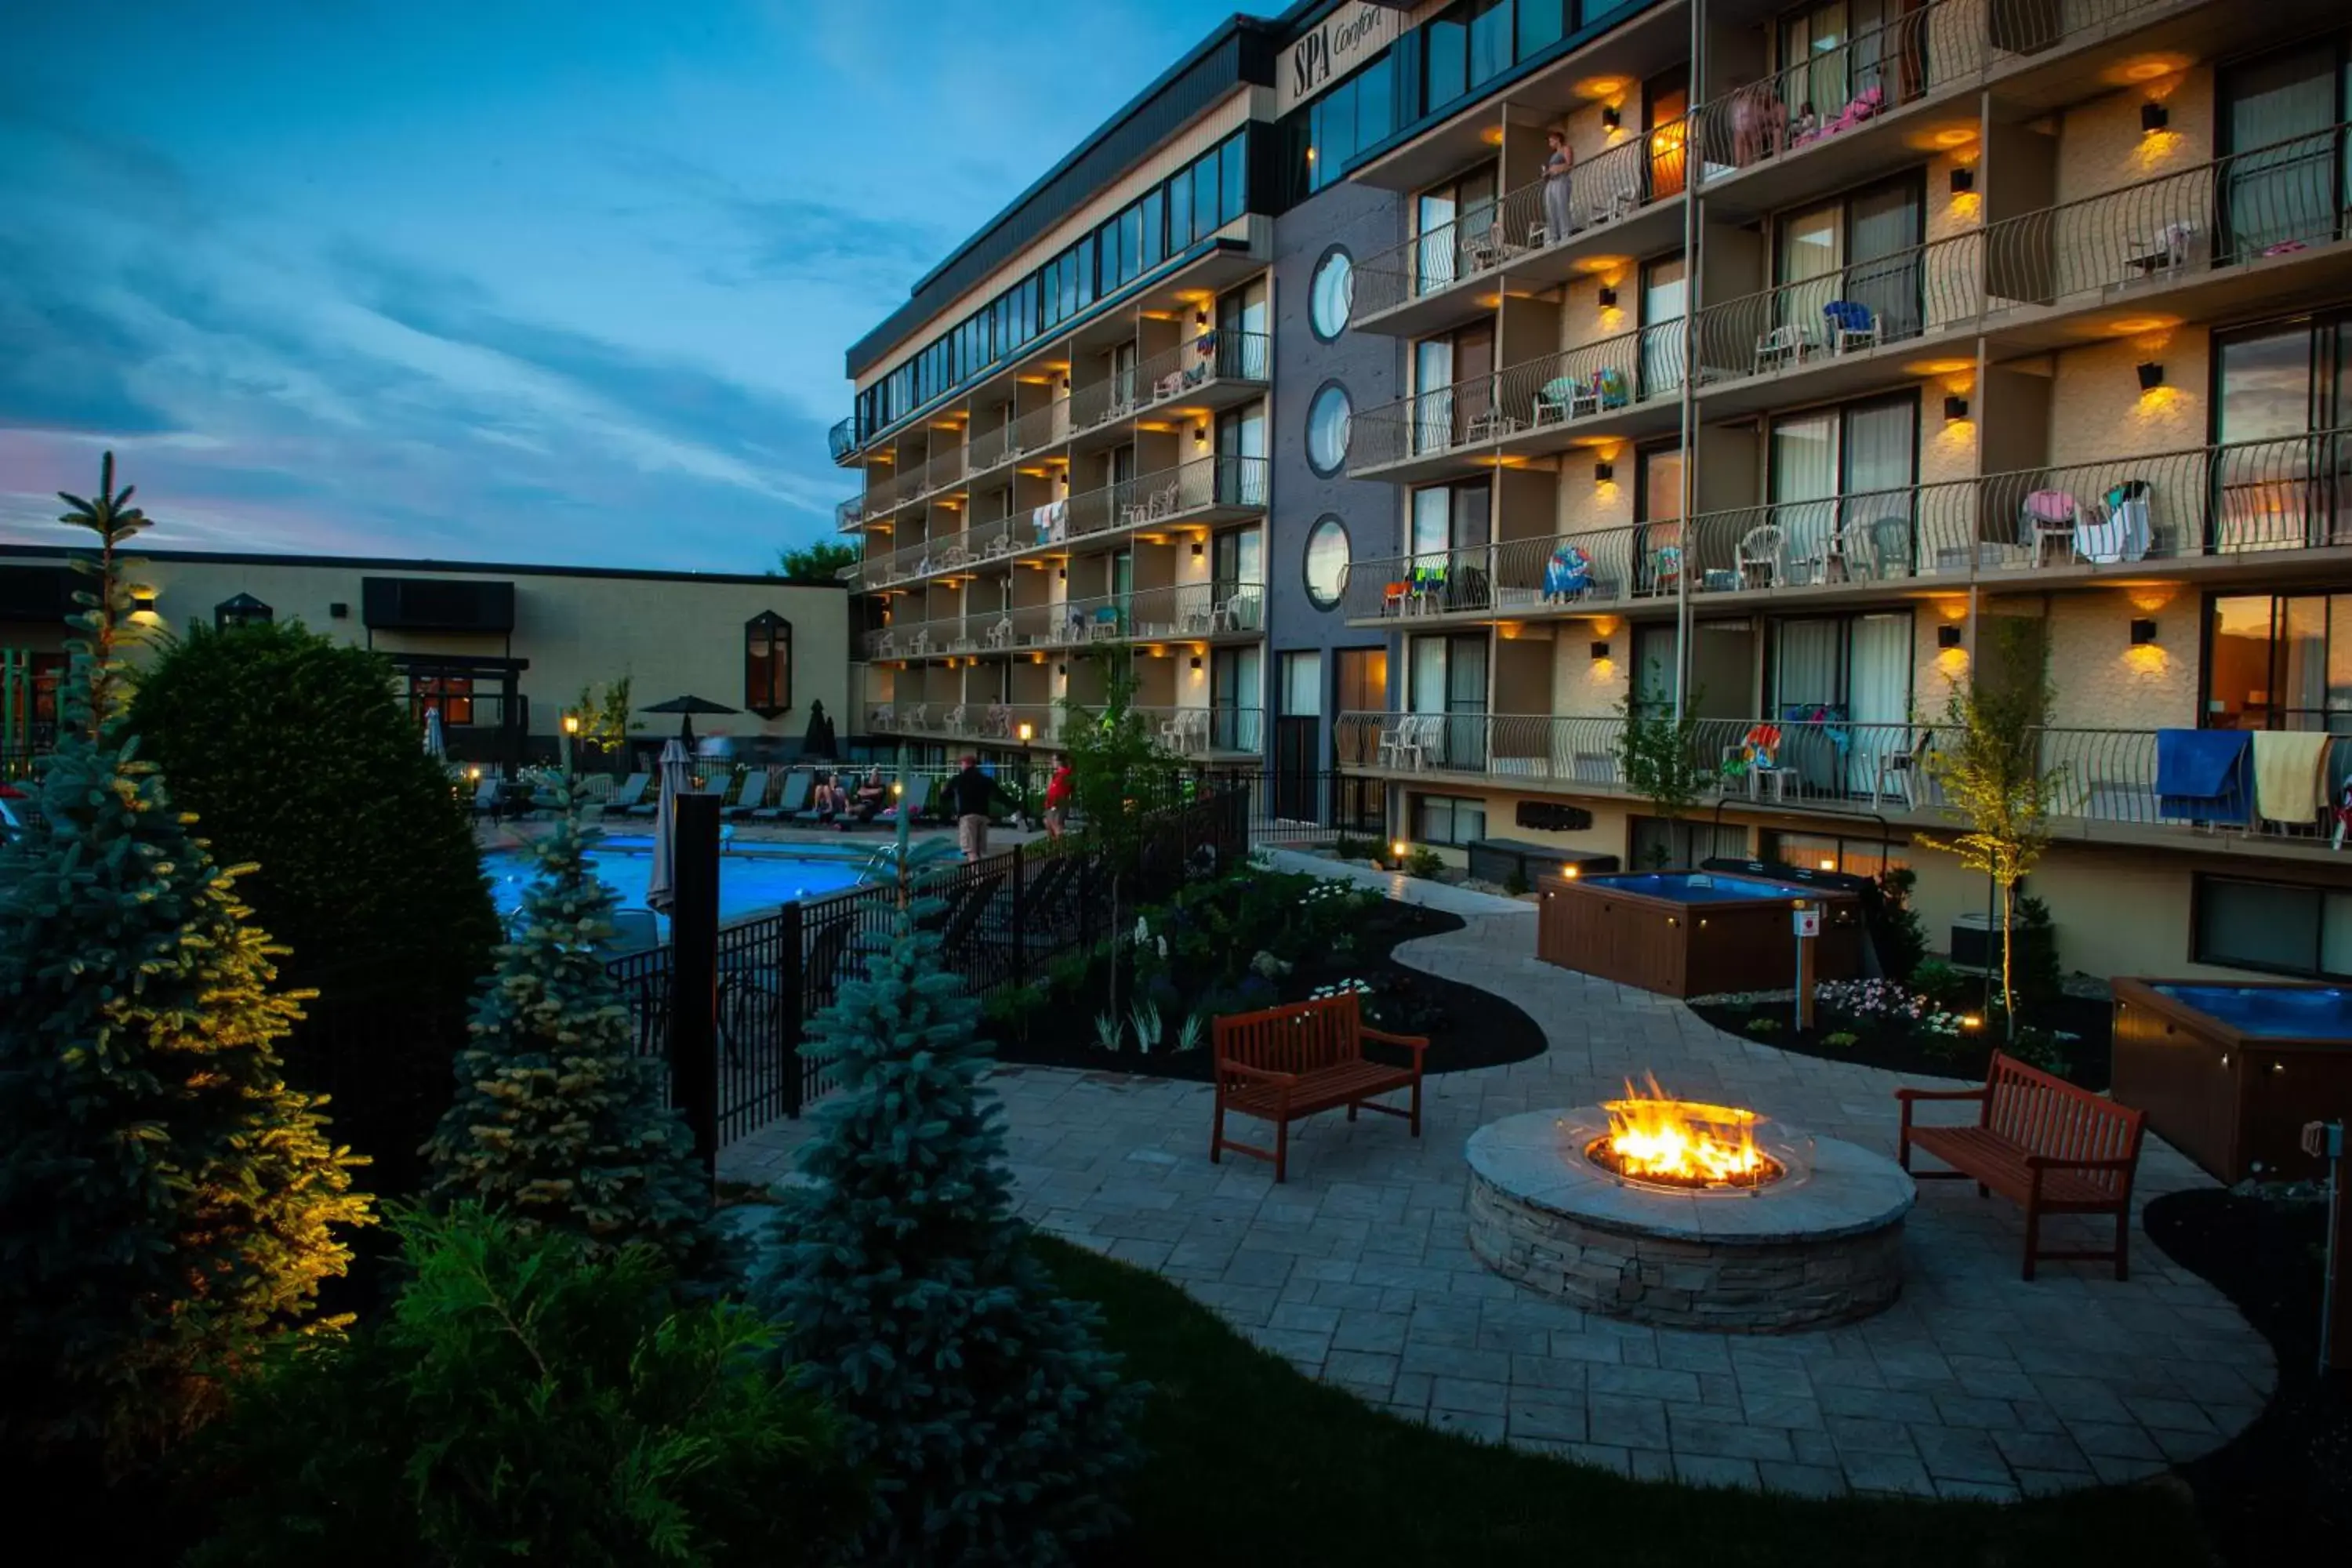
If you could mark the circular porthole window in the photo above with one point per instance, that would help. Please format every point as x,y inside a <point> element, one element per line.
<point>1326,561</point>
<point>1331,295</point>
<point>1327,418</point>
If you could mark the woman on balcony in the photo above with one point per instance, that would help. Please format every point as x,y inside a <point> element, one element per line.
<point>1559,166</point>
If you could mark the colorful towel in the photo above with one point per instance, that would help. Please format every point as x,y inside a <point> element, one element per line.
<point>2204,775</point>
<point>2290,782</point>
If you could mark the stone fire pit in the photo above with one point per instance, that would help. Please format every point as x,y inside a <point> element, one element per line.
<point>1819,1242</point>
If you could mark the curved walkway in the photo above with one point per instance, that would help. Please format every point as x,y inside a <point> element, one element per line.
<point>1974,1384</point>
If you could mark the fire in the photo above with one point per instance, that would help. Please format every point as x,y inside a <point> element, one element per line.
<point>1681,1143</point>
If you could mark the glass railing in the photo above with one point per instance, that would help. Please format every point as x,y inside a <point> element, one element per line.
<point>1543,215</point>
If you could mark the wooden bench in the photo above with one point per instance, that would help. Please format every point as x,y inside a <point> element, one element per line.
<point>1290,1062</point>
<point>2041,1143</point>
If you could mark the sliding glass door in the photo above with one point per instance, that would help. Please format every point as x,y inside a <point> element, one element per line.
<point>1842,695</point>
<point>2282,400</point>
<point>2277,121</point>
<point>1664,302</point>
<point>1884,226</point>
<point>1447,675</point>
<point>1842,489</point>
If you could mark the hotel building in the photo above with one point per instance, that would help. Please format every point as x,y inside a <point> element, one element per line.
<point>1846,351</point>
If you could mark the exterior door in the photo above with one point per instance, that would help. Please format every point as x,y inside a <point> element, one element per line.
<point>1299,720</point>
<point>1665,103</point>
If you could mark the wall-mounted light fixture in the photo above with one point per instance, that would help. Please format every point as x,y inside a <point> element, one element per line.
<point>2153,118</point>
<point>1609,118</point>
<point>1196,661</point>
<point>2143,632</point>
<point>1603,472</point>
<point>1200,435</point>
<point>1197,548</point>
<point>142,603</point>
<point>338,611</point>
<point>1956,407</point>
<point>1947,637</point>
<point>1600,651</point>
<point>1061,670</point>
<point>1964,180</point>
<point>1061,573</point>
<point>2151,375</point>
<point>1608,297</point>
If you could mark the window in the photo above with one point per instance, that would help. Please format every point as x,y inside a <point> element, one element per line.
<point>2279,661</point>
<point>1302,684</point>
<point>452,695</point>
<point>1540,25</point>
<point>1444,60</point>
<point>1656,841</point>
<point>1664,300</point>
<point>2274,926</point>
<point>242,610</point>
<point>2278,113</point>
<point>767,664</point>
<point>1448,819</point>
<point>1843,483</point>
<point>1840,688</point>
<point>1327,419</point>
<point>1490,40</point>
<point>2282,484</point>
<point>1447,675</point>
<point>1331,296</point>
<point>1824,852</point>
<point>1326,561</point>
<point>1234,680</point>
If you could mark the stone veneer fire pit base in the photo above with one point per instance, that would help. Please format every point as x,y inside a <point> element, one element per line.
<point>1821,1246</point>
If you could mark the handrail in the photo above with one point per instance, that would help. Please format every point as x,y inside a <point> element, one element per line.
<point>1172,374</point>
<point>1868,76</point>
<point>1867,304</point>
<point>1645,168</point>
<point>1562,388</point>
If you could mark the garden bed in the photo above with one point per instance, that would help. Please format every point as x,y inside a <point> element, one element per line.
<point>2070,1036</point>
<point>2280,1491</point>
<point>1062,1022</point>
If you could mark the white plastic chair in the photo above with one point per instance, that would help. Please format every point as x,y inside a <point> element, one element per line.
<point>1758,557</point>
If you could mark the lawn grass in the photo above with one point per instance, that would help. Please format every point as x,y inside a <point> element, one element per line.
<point>1252,1462</point>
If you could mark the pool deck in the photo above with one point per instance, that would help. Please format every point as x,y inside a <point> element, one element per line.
<point>1973,1384</point>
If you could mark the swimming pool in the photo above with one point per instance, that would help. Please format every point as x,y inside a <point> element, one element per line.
<point>752,879</point>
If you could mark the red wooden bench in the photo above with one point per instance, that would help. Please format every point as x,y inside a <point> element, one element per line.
<point>2041,1143</point>
<point>1288,1063</point>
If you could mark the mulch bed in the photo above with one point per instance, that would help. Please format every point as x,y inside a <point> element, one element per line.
<point>1900,1051</point>
<point>2281,1492</point>
<point>1467,1027</point>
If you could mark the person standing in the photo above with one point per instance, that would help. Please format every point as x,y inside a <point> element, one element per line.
<point>968,797</point>
<point>1058,790</point>
<point>1559,164</point>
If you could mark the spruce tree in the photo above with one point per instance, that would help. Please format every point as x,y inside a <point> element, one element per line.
<point>557,1119</point>
<point>166,1203</point>
<point>989,1417</point>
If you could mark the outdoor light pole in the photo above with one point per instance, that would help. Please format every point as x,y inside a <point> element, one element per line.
<point>571,729</point>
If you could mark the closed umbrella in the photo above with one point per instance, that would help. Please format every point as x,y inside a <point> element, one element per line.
<point>818,742</point>
<point>437,744</point>
<point>660,892</point>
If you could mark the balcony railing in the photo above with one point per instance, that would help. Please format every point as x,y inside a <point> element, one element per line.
<point>1194,730</point>
<point>1155,498</point>
<point>1831,91</point>
<point>2290,493</point>
<point>1646,168</point>
<point>844,438</point>
<point>1833,765</point>
<point>2270,200</point>
<point>1867,304</point>
<point>1555,390</point>
<point>848,514</point>
<point>1172,374</point>
<point>1171,612</point>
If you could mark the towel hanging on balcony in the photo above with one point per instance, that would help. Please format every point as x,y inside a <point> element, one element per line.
<point>2204,775</point>
<point>2289,774</point>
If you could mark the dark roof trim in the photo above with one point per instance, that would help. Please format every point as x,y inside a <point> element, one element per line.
<point>1199,250</point>
<point>50,552</point>
<point>1242,51</point>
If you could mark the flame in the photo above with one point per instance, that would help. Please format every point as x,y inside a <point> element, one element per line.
<point>1654,1138</point>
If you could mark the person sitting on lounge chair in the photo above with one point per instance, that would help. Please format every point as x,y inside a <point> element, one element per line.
<point>830,799</point>
<point>871,797</point>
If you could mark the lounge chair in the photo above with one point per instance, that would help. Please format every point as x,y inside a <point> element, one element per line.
<point>631,793</point>
<point>789,799</point>
<point>634,931</point>
<point>914,802</point>
<point>749,794</point>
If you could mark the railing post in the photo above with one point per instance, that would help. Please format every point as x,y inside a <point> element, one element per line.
<point>694,970</point>
<point>1020,916</point>
<point>792,1006</point>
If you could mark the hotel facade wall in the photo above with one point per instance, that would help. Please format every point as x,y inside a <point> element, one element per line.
<point>668,635</point>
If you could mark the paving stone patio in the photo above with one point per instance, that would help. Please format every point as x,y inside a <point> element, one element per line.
<point>1974,1384</point>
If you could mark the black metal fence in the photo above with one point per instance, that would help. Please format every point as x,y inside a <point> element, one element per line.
<point>998,920</point>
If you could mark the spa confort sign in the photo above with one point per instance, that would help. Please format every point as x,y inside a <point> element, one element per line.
<point>1348,37</point>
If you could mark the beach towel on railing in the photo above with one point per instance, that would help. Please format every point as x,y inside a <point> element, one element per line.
<point>2204,775</point>
<point>1568,574</point>
<point>1817,736</point>
<point>2289,774</point>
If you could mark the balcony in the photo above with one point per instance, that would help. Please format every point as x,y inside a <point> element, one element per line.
<point>1203,491</point>
<point>1836,768</point>
<point>1215,370</point>
<point>1622,200</point>
<point>1186,611</point>
<point>2223,513</point>
<point>1207,733</point>
<point>1619,387</point>
<point>1838,115</point>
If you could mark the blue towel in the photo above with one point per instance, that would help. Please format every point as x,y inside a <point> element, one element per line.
<point>2205,775</point>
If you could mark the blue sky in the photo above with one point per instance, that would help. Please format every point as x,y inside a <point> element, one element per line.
<point>501,281</point>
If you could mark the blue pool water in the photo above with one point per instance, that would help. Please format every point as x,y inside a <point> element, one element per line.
<point>1698,887</point>
<point>751,880</point>
<point>2311,1013</point>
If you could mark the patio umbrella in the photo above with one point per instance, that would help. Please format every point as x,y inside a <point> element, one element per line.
<point>687,708</point>
<point>660,892</point>
<point>437,744</point>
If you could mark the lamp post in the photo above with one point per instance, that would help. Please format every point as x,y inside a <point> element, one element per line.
<point>571,729</point>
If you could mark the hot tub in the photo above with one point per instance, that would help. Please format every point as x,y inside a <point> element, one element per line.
<point>1693,934</point>
<point>2229,1073</point>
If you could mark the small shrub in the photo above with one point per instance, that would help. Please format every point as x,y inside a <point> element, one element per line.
<point>1842,1040</point>
<point>2040,977</point>
<point>527,1402</point>
<point>1424,861</point>
<point>1347,847</point>
<point>1942,984</point>
<point>1517,883</point>
<point>1903,935</point>
<point>1762,1026</point>
<point>2048,1049</point>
